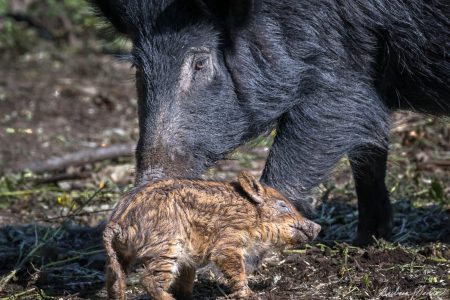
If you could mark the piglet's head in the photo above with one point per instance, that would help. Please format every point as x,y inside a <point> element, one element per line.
<point>280,221</point>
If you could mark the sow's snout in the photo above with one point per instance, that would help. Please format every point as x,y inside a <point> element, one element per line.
<point>156,163</point>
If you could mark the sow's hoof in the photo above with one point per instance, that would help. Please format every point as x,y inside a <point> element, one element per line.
<point>367,238</point>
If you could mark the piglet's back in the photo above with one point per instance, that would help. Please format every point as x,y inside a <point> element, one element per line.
<point>175,199</point>
<point>137,202</point>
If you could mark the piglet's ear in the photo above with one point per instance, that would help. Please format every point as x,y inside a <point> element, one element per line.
<point>114,11</point>
<point>252,187</point>
<point>231,13</point>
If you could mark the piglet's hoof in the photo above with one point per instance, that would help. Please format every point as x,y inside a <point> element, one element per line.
<point>243,293</point>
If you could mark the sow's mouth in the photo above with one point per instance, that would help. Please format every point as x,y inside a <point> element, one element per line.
<point>149,175</point>
<point>306,231</point>
<point>156,173</point>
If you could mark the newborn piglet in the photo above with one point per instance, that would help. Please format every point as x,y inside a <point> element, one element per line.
<point>173,226</point>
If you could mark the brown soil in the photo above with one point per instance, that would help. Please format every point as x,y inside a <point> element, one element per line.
<point>52,105</point>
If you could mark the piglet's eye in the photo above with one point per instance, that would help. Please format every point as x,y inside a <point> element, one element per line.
<point>282,204</point>
<point>283,207</point>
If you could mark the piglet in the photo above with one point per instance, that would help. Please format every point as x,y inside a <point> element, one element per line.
<point>173,226</point>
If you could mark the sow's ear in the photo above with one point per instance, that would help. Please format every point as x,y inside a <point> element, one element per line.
<point>114,11</point>
<point>231,13</point>
<point>252,187</point>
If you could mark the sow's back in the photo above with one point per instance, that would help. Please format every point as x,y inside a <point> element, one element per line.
<point>174,226</point>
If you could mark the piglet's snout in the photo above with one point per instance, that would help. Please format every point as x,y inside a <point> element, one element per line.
<point>307,230</point>
<point>311,229</point>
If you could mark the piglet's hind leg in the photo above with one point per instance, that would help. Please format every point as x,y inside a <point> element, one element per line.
<point>115,275</point>
<point>115,280</point>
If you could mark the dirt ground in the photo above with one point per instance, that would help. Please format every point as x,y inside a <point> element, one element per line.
<point>50,229</point>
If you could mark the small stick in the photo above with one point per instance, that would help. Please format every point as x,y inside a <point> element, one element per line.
<point>61,177</point>
<point>77,215</point>
<point>79,158</point>
<point>72,258</point>
<point>18,295</point>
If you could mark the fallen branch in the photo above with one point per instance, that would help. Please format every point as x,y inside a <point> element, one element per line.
<point>61,177</point>
<point>43,32</point>
<point>19,294</point>
<point>72,258</point>
<point>77,215</point>
<point>79,158</point>
<point>25,192</point>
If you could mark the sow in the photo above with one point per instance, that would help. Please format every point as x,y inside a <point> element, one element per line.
<point>212,74</point>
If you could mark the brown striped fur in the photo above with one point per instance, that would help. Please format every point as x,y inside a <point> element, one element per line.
<point>174,226</point>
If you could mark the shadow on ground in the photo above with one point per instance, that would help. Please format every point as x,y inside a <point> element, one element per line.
<point>412,225</point>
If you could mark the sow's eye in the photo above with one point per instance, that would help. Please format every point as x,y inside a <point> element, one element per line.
<point>197,70</point>
<point>282,207</point>
<point>201,62</point>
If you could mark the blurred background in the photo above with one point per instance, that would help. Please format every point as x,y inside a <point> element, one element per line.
<point>68,126</point>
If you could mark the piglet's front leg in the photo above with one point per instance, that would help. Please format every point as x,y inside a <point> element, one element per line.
<point>183,284</point>
<point>230,260</point>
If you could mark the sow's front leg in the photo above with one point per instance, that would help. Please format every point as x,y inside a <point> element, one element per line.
<point>375,211</point>
<point>313,136</point>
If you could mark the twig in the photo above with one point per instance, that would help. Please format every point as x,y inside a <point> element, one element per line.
<point>21,262</point>
<point>85,282</point>
<point>19,294</point>
<point>351,290</point>
<point>89,200</point>
<point>222,291</point>
<point>79,158</point>
<point>18,17</point>
<point>26,192</point>
<point>78,211</point>
<point>298,251</point>
<point>77,215</point>
<point>61,177</point>
<point>72,258</point>
<point>4,281</point>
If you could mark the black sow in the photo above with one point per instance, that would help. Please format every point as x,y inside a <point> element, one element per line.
<point>212,74</point>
